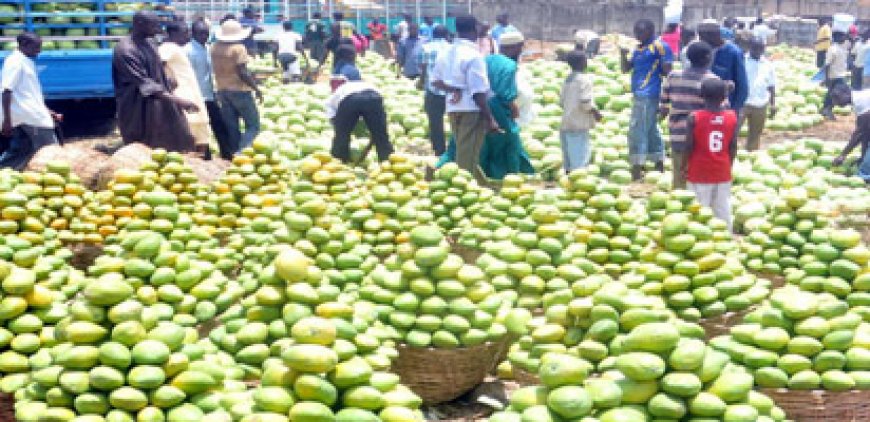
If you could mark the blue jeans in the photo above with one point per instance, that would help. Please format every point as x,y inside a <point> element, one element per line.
<point>644,139</point>
<point>237,105</point>
<point>26,141</point>
<point>576,150</point>
<point>864,167</point>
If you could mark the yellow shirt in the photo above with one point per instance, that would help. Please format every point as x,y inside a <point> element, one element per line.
<point>225,59</point>
<point>823,38</point>
<point>347,29</point>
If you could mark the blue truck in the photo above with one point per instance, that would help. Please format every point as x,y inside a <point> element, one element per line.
<point>76,61</point>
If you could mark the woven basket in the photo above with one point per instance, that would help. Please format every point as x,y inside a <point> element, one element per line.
<point>525,378</point>
<point>84,255</point>
<point>822,406</point>
<point>502,353</point>
<point>721,325</point>
<point>85,162</point>
<point>440,375</point>
<point>204,328</point>
<point>469,255</point>
<point>7,407</point>
<point>776,281</point>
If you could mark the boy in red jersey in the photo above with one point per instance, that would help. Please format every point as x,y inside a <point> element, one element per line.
<point>712,143</point>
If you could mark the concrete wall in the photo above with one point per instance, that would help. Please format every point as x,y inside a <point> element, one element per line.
<point>696,11</point>
<point>556,20</point>
<point>815,8</point>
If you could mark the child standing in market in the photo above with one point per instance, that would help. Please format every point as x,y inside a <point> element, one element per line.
<point>579,113</point>
<point>681,95</point>
<point>712,143</point>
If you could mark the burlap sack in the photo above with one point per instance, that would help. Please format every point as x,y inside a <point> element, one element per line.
<point>130,156</point>
<point>207,171</point>
<point>133,156</point>
<point>88,164</point>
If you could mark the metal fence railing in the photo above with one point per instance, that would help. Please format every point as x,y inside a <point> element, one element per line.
<point>357,11</point>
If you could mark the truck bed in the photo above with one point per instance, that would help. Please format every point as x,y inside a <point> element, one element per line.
<point>68,74</point>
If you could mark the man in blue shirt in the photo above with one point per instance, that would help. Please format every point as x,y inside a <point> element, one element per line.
<point>345,63</point>
<point>200,60</point>
<point>249,20</point>
<point>407,54</point>
<point>426,29</point>
<point>502,26</point>
<point>728,64</point>
<point>649,62</point>
<point>727,29</point>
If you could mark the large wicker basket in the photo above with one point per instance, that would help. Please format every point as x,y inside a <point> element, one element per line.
<point>721,325</point>
<point>468,254</point>
<point>7,407</point>
<point>207,171</point>
<point>822,406</point>
<point>84,255</point>
<point>525,378</point>
<point>441,375</point>
<point>502,352</point>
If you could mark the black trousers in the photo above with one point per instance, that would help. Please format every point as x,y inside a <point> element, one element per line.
<point>368,105</point>
<point>286,59</point>
<point>26,141</point>
<point>593,46</point>
<point>831,83</point>
<point>436,107</point>
<point>216,121</point>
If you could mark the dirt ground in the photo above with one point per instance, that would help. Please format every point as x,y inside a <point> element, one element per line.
<point>468,408</point>
<point>839,130</point>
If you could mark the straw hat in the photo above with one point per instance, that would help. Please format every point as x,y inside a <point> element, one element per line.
<point>232,31</point>
<point>511,38</point>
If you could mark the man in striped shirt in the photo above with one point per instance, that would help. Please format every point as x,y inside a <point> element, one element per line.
<point>681,95</point>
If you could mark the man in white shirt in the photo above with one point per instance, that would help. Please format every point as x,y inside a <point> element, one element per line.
<point>762,92</point>
<point>352,100</point>
<point>462,73</point>
<point>289,44</point>
<point>402,29</point>
<point>761,30</point>
<point>435,100</point>
<point>836,70</point>
<point>841,96</point>
<point>24,115</point>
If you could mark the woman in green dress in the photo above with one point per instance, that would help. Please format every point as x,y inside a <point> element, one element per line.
<point>503,151</point>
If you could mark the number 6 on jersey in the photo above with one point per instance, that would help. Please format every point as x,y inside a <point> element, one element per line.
<point>716,138</point>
